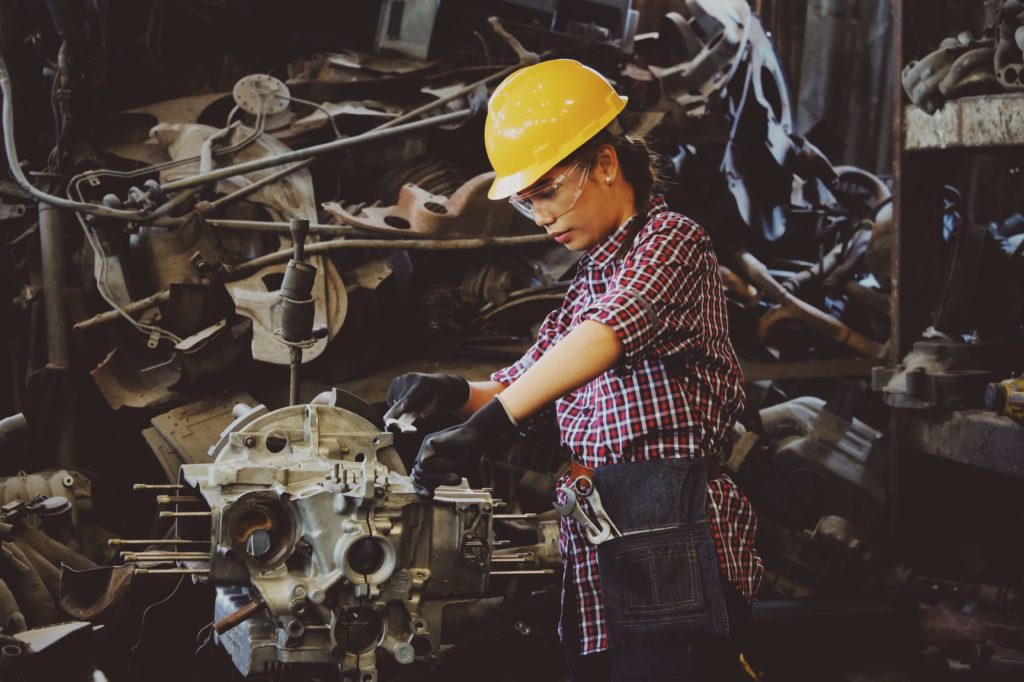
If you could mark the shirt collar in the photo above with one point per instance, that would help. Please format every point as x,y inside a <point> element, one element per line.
<point>600,254</point>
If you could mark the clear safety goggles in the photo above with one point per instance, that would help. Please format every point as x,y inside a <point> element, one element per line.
<point>555,196</point>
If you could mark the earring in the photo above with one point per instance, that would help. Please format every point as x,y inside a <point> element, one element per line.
<point>607,179</point>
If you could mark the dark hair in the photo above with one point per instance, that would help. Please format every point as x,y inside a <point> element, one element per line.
<point>642,167</point>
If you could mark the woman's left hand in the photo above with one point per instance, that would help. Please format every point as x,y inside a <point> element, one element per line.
<point>445,454</point>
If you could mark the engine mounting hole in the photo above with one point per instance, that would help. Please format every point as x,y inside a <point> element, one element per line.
<point>421,645</point>
<point>275,442</point>
<point>397,222</point>
<point>358,629</point>
<point>365,556</point>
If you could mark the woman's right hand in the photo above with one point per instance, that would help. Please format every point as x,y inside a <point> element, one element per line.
<point>416,396</point>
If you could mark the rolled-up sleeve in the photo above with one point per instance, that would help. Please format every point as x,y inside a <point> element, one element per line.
<point>663,278</point>
<point>546,336</point>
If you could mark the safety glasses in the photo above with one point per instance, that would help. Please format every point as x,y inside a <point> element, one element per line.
<point>554,197</point>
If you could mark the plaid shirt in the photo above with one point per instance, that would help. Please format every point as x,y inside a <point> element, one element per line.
<point>676,392</point>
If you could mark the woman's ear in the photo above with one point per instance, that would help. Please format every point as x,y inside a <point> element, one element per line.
<point>607,164</point>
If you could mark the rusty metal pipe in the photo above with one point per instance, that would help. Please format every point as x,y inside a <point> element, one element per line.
<point>314,151</point>
<point>119,542</point>
<point>172,571</point>
<point>206,207</point>
<point>788,306</point>
<point>132,308</point>
<point>235,619</point>
<point>58,323</point>
<point>249,267</point>
<point>177,499</point>
<point>53,256</point>
<point>257,264</point>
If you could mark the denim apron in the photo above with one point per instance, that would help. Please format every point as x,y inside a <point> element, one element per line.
<point>660,579</point>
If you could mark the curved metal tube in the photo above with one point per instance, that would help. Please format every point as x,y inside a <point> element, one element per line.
<point>36,603</point>
<point>14,166</point>
<point>315,150</point>
<point>788,306</point>
<point>251,266</point>
<point>11,619</point>
<point>879,189</point>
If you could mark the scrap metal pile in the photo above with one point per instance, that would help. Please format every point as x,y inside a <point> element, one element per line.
<point>165,162</point>
<point>965,65</point>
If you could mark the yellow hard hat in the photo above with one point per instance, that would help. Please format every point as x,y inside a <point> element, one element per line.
<point>539,115</point>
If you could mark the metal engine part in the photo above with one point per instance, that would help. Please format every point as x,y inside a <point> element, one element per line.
<point>1009,53</point>
<point>822,463</point>
<point>313,516</point>
<point>468,212</point>
<point>941,374</point>
<point>60,483</point>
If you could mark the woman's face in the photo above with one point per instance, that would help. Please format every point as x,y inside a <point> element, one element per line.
<point>580,204</point>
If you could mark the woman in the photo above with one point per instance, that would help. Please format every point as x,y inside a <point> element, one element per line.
<point>645,383</point>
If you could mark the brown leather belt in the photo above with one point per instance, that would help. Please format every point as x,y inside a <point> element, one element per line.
<point>578,470</point>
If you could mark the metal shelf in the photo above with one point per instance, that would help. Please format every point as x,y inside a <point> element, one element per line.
<point>974,437</point>
<point>966,123</point>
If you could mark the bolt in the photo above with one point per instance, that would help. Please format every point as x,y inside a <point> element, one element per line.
<point>299,592</point>
<point>298,606</point>
<point>69,481</point>
<point>249,442</point>
<point>404,653</point>
<point>317,595</point>
<point>294,628</point>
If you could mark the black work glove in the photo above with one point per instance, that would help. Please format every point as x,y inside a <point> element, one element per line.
<point>445,453</point>
<point>422,396</point>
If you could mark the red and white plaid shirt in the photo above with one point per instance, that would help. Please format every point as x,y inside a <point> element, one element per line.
<point>676,392</point>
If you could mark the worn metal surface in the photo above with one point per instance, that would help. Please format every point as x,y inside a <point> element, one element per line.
<point>311,501</point>
<point>468,212</point>
<point>975,437</point>
<point>969,122</point>
<point>183,435</point>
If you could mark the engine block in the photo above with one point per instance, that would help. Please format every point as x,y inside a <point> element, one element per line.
<point>317,532</point>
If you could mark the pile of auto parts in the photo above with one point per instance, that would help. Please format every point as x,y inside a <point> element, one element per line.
<point>170,254</point>
<point>964,65</point>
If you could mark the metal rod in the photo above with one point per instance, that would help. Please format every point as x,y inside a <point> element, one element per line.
<point>169,553</point>
<point>209,207</point>
<point>157,486</point>
<point>53,255</point>
<point>266,226</point>
<point>315,150</point>
<point>172,571</point>
<point>238,617</point>
<point>294,363</point>
<point>539,571</point>
<point>512,517</point>
<point>256,264</point>
<point>133,307</point>
<point>118,542</point>
<point>181,514</point>
<point>512,559</point>
<point>177,499</point>
<point>165,556</point>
